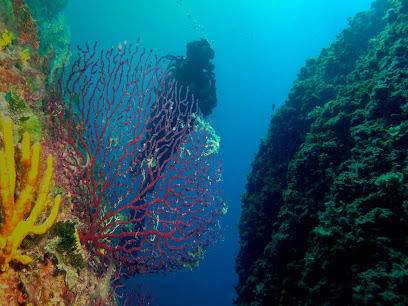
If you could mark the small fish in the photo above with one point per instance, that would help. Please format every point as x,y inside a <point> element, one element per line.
<point>273,107</point>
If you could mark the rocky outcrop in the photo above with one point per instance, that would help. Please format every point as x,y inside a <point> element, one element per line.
<point>325,212</point>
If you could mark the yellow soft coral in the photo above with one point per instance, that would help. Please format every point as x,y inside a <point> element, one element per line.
<point>6,39</point>
<point>14,227</point>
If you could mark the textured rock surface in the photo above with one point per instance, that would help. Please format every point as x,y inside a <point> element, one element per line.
<point>325,212</point>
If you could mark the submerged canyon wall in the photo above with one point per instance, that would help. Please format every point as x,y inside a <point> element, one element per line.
<point>325,213</point>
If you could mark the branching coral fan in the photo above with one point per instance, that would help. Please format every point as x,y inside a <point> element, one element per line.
<point>140,163</point>
<point>14,227</point>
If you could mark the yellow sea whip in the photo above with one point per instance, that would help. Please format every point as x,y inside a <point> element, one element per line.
<point>14,228</point>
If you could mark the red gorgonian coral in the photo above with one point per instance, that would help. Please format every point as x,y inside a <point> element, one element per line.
<point>138,161</point>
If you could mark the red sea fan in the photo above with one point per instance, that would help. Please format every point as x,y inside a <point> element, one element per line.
<point>138,162</point>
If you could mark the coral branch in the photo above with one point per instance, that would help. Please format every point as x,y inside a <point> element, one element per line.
<point>33,98</point>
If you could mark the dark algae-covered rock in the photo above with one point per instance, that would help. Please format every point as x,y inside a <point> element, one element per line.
<point>325,213</point>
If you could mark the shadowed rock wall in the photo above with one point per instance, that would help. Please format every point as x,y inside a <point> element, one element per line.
<point>325,211</point>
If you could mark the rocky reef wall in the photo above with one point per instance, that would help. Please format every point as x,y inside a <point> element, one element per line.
<point>325,211</point>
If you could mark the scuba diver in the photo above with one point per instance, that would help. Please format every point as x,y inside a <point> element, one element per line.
<point>196,72</point>
<point>193,74</point>
<point>192,77</point>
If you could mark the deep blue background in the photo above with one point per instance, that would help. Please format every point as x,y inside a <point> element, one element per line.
<point>259,47</point>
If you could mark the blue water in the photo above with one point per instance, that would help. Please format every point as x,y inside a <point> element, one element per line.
<point>259,47</point>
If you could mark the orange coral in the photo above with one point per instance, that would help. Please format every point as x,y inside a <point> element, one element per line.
<point>9,77</point>
<point>40,286</point>
<point>27,29</point>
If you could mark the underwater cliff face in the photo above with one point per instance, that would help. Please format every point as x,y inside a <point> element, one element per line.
<point>325,211</point>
